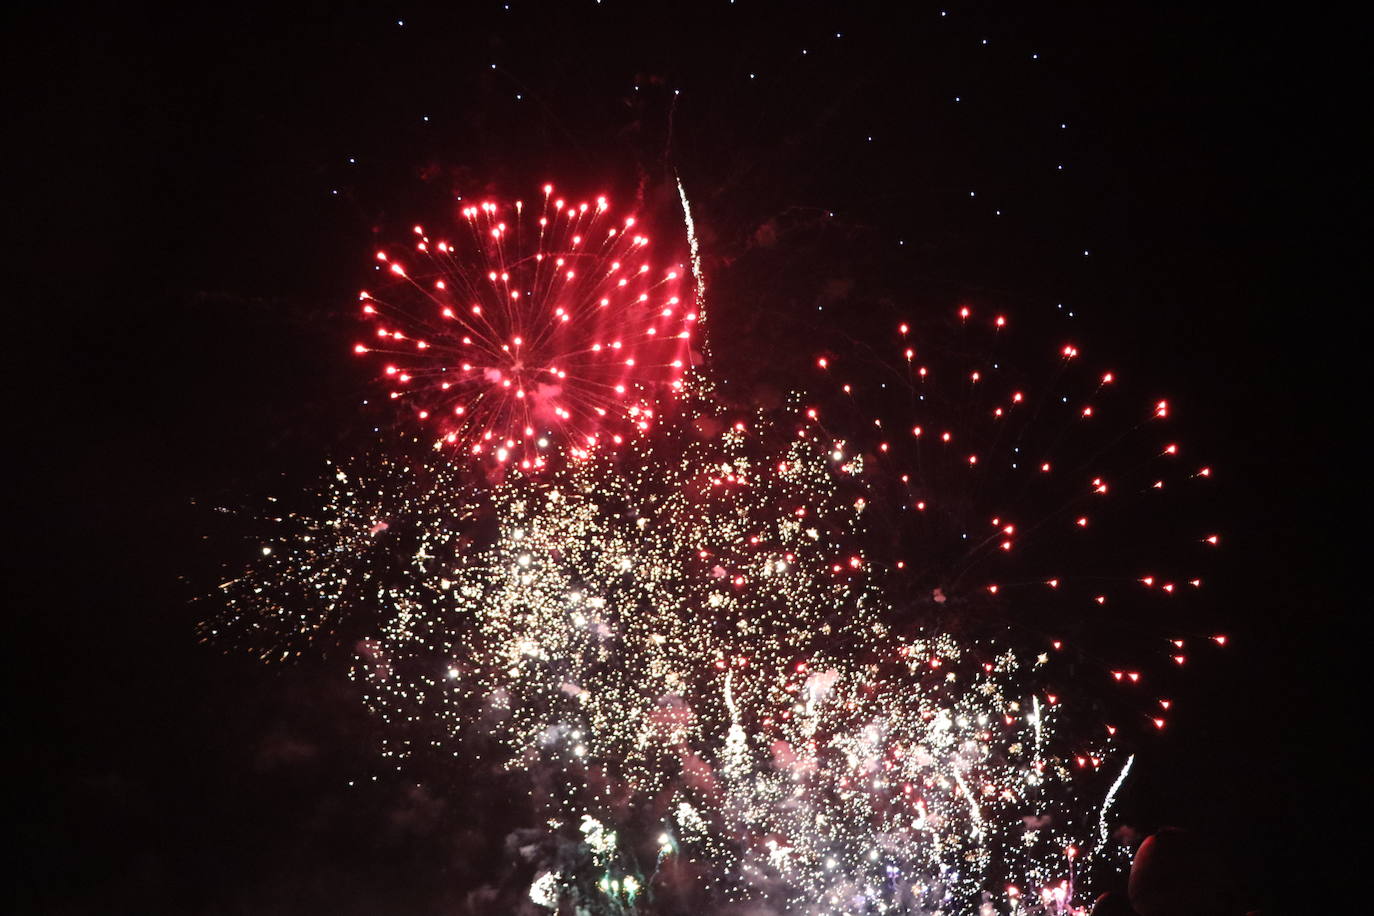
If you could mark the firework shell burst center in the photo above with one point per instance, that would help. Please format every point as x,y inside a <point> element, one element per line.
<point>533,330</point>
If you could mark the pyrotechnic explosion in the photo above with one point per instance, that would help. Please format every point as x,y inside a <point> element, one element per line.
<point>724,652</point>
<point>1023,496</point>
<point>531,328</point>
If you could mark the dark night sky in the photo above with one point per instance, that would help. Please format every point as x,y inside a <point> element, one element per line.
<point>182,300</point>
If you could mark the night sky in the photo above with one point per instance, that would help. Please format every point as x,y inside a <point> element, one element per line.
<point>194,198</point>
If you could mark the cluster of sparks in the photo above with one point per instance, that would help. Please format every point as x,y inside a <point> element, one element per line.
<point>712,644</point>
<point>1010,491</point>
<point>533,328</point>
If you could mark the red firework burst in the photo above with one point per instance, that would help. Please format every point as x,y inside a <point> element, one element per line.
<point>535,330</point>
<point>1037,497</point>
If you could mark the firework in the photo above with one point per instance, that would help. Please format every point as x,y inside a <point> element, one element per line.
<point>826,656</point>
<point>1026,497</point>
<point>698,633</point>
<point>321,559</point>
<point>531,330</point>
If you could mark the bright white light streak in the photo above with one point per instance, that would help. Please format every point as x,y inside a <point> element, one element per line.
<point>695,250</point>
<point>975,815</point>
<point>1107,803</point>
